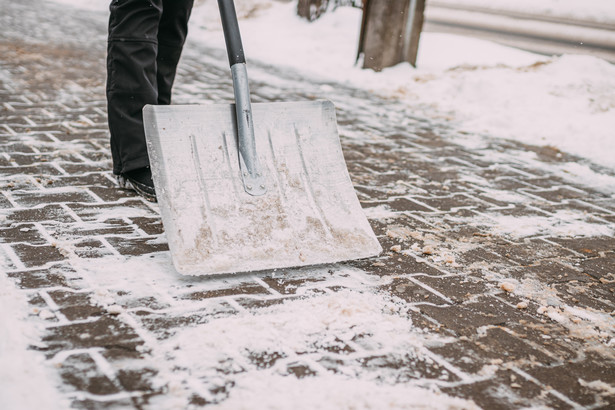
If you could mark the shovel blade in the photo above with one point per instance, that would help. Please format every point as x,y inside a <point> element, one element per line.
<point>309,215</point>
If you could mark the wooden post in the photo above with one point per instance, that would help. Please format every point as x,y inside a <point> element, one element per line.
<point>311,9</point>
<point>390,32</point>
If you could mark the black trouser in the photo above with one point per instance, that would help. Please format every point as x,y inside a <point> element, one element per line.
<point>144,46</point>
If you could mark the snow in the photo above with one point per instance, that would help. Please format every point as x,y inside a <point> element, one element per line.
<point>602,11</point>
<point>21,370</point>
<point>567,102</point>
<point>331,333</point>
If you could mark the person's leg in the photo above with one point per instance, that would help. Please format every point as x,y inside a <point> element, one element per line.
<point>171,37</point>
<point>131,78</point>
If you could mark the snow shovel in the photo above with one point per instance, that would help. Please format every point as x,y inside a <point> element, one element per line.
<point>246,187</point>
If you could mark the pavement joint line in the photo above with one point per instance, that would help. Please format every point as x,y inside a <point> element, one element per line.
<point>96,198</point>
<point>266,286</point>
<point>87,120</point>
<point>582,202</point>
<point>15,260</point>
<point>463,376</point>
<point>71,213</point>
<point>52,137</point>
<point>43,231</point>
<point>432,290</point>
<point>47,113</point>
<point>107,398</point>
<point>59,168</point>
<point>65,322</point>
<point>25,99</point>
<point>549,389</point>
<point>62,320</point>
<point>9,130</point>
<point>136,227</point>
<point>532,344</point>
<point>234,304</point>
<point>105,367</point>
<point>28,120</point>
<point>62,355</point>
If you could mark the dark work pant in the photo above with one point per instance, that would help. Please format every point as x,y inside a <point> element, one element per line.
<point>144,46</point>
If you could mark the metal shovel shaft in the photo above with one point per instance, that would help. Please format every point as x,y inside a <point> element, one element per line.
<point>252,174</point>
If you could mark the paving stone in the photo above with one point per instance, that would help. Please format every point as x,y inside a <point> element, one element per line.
<point>590,246</point>
<point>509,348</point>
<point>33,256</point>
<point>412,292</point>
<point>93,212</point>
<point>43,213</point>
<point>138,379</point>
<point>28,233</point>
<point>151,226</point>
<point>245,288</point>
<point>451,202</point>
<point>82,374</point>
<point>76,306</point>
<point>28,199</point>
<point>574,380</point>
<point>53,276</point>
<point>600,268</point>
<point>459,289</point>
<point>465,319</point>
<point>549,272</point>
<point>104,332</point>
<point>398,265</point>
<point>500,392</point>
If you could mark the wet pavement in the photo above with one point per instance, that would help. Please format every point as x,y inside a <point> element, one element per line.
<point>521,315</point>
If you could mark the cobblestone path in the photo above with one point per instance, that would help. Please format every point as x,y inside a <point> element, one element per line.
<point>498,265</point>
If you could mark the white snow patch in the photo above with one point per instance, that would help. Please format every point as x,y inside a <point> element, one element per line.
<point>590,10</point>
<point>25,381</point>
<point>333,392</point>
<point>561,224</point>
<point>373,324</point>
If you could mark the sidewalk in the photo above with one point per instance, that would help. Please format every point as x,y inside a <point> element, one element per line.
<point>497,285</point>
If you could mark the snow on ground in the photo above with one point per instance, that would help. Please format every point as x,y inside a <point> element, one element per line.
<point>567,102</point>
<point>602,11</point>
<point>306,331</point>
<point>22,372</point>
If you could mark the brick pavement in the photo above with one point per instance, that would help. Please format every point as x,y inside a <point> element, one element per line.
<point>432,195</point>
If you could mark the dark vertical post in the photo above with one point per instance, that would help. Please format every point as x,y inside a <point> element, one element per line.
<point>390,32</point>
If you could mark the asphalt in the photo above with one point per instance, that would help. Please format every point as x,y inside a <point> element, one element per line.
<point>426,188</point>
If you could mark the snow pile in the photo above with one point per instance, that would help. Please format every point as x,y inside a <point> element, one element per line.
<point>567,102</point>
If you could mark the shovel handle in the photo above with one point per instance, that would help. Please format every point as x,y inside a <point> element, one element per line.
<point>234,47</point>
